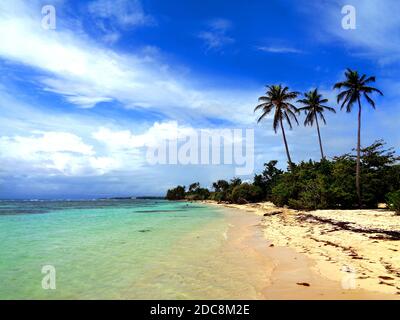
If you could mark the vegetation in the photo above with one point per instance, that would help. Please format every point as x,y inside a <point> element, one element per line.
<point>330,184</point>
<point>278,99</point>
<point>393,201</point>
<point>177,193</point>
<point>355,87</point>
<point>245,193</point>
<point>314,107</point>
<point>311,184</point>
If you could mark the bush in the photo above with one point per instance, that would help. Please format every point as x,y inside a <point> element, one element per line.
<point>393,201</point>
<point>311,185</point>
<point>284,190</point>
<point>198,194</point>
<point>177,193</point>
<point>246,193</point>
<point>218,196</point>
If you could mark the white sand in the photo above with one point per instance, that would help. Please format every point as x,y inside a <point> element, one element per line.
<point>366,257</point>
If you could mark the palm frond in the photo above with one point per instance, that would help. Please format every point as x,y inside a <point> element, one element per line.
<point>321,115</point>
<point>370,101</point>
<point>262,116</point>
<point>288,120</point>
<point>276,121</point>
<point>266,106</point>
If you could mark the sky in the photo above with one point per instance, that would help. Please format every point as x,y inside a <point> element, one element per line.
<point>80,103</point>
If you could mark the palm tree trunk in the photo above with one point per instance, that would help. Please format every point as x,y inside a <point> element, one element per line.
<point>358,166</point>
<point>319,138</point>
<point>286,145</point>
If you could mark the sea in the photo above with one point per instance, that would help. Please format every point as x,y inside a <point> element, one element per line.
<point>121,249</point>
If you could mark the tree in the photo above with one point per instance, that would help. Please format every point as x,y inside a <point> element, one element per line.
<point>279,98</point>
<point>245,193</point>
<point>355,87</point>
<point>221,185</point>
<point>314,107</point>
<point>268,178</point>
<point>177,193</point>
<point>194,187</point>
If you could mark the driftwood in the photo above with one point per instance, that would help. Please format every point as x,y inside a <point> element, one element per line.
<point>272,213</point>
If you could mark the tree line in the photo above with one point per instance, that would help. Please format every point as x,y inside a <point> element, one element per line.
<point>365,179</point>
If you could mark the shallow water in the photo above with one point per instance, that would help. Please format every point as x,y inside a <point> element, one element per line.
<point>122,249</point>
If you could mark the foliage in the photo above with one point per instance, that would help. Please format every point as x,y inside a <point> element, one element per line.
<point>393,201</point>
<point>330,184</point>
<point>353,89</point>
<point>246,192</point>
<point>278,100</point>
<point>177,193</point>
<point>312,185</point>
<point>268,178</point>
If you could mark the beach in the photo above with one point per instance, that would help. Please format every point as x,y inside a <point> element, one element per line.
<point>329,254</point>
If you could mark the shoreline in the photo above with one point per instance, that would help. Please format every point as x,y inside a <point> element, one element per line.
<point>326,254</point>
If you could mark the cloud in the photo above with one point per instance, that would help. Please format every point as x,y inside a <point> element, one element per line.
<point>85,73</point>
<point>376,35</point>
<point>110,16</point>
<point>125,13</point>
<point>277,49</point>
<point>125,139</point>
<point>48,152</point>
<point>215,38</point>
<point>52,153</point>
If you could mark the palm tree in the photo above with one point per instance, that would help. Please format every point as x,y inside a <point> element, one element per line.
<point>279,98</point>
<point>314,107</point>
<point>356,86</point>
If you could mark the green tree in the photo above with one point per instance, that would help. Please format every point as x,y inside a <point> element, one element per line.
<point>314,107</point>
<point>279,99</point>
<point>268,178</point>
<point>221,185</point>
<point>354,88</point>
<point>194,187</point>
<point>245,192</point>
<point>177,193</point>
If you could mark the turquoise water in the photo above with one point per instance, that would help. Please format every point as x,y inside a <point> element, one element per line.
<point>113,249</point>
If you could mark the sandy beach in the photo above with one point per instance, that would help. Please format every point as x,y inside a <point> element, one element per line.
<point>324,254</point>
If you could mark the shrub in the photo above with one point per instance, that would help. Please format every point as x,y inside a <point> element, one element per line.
<point>246,193</point>
<point>219,196</point>
<point>198,194</point>
<point>282,192</point>
<point>393,201</point>
<point>268,178</point>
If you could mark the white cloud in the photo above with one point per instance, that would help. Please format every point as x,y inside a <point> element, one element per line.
<point>44,142</point>
<point>277,49</point>
<point>110,16</point>
<point>56,153</point>
<point>376,34</point>
<point>216,36</point>
<point>124,12</point>
<point>125,139</point>
<point>85,73</point>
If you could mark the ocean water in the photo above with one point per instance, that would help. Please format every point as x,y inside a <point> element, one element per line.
<point>119,249</point>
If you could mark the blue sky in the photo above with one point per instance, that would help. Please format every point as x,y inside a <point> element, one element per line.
<point>79,103</point>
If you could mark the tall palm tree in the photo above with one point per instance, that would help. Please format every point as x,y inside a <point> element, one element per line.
<point>314,107</point>
<point>355,87</point>
<point>279,98</point>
